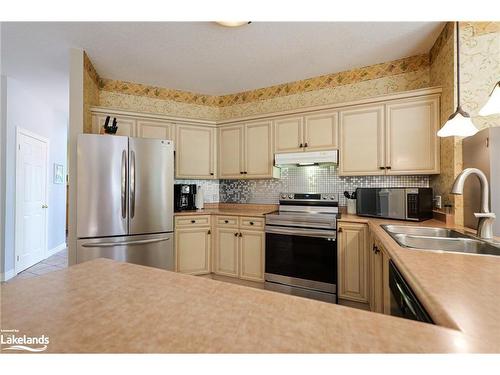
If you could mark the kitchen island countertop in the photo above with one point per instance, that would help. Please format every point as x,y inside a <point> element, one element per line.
<point>108,306</point>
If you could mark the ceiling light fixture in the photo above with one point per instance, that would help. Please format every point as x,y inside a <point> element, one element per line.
<point>459,123</point>
<point>492,106</point>
<point>233,23</point>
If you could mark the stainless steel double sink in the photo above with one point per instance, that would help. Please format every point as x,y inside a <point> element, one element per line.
<point>440,239</point>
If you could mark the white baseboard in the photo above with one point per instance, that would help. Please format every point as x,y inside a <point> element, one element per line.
<point>4,276</point>
<point>56,249</point>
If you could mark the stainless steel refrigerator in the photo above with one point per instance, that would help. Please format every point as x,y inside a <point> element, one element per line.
<point>125,200</point>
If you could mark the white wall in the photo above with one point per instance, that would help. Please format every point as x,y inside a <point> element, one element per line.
<point>32,113</point>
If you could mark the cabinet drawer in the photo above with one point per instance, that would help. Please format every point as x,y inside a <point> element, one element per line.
<point>192,221</point>
<point>255,223</point>
<point>227,221</point>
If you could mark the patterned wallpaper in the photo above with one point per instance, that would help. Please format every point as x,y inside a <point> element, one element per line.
<point>479,71</point>
<point>314,179</point>
<point>90,92</point>
<point>394,76</point>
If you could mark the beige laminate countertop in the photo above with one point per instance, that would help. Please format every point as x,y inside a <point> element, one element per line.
<point>232,209</point>
<point>460,291</point>
<point>108,306</point>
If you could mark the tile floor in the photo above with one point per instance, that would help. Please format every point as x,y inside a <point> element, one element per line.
<point>56,262</point>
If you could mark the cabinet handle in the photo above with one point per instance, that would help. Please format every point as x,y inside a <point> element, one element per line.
<point>241,172</point>
<point>301,145</point>
<point>209,232</point>
<point>236,234</point>
<point>193,221</point>
<point>211,173</point>
<point>251,223</point>
<point>226,221</point>
<point>241,235</point>
<point>381,167</point>
<point>340,230</point>
<point>389,167</point>
<point>244,172</point>
<point>305,144</point>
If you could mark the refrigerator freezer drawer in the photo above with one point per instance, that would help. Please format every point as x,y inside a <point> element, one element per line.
<point>154,250</point>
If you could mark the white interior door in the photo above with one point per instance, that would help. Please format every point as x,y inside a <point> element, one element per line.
<point>31,199</point>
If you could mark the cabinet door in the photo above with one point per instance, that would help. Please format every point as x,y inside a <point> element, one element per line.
<point>412,146</point>
<point>320,131</point>
<point>288,135</point>
<point>154,129</point>
<point>353,262</point>
<point>231,152</point>
<point>194,156</point>
<point>226,252</point>
<point>252,255</point>
<point>126,126</point>
<point>376,279</point>
<point>192,249</point>
<point>258,150</point>
<point>362,141</point>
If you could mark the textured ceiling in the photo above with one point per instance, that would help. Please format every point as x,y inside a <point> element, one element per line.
<point>203,57</point>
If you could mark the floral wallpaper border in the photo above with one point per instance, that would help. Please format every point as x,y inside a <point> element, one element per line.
<point>391,68</point>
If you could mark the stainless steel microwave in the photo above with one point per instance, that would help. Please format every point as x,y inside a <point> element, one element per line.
<point>395,203</point>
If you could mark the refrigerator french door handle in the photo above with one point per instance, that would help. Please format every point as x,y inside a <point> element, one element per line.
<point>124,184</point>
<point>111,244</point>
<point>132,184</point>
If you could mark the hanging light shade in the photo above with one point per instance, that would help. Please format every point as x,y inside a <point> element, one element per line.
<point>459,123</point>
<point>492,106</point>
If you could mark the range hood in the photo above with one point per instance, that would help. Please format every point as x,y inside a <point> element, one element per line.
<point>303,159</point>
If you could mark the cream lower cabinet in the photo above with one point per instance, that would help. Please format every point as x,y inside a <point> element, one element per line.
<point>245,151</point>
<point>226,251</point>
<point>376,278</point>
<point>193,239</point>
<point>126,125</point>
<point>353,262</point>
<point>239,248</point>
<point>195,152</point>
<point>252,245</point>
<point>155,129</point>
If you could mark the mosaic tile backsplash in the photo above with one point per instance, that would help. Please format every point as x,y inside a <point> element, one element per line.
<point>210,189</point>
<point>314,179</point>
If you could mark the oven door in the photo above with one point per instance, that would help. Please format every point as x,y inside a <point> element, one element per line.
<point>306,258</point>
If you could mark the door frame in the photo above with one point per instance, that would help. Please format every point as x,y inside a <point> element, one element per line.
<point>20,131</point>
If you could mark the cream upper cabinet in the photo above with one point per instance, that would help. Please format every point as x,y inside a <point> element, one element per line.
<point>258,150</point>
<point>192,250</point>
<point>252,255</point>
<point>245,151</point>
<point>226,251</point>
<point>195,152</point>
<point>321,131</point>
<point>353,262</point>
<point>126,125</point>
<point>288,134</point>
<point>412,145</point>
<point>362,141</point>
<point>231,150</point>
<point>155,129</point>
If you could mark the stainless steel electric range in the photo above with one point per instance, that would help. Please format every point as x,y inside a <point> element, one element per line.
<point>301,246</point>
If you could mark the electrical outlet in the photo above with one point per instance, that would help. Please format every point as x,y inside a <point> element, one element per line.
<point>437,201</point>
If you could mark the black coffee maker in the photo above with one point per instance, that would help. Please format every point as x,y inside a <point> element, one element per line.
<point>184,197</point>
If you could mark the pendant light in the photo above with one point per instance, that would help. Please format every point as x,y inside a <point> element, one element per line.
<point>459,123</point>
<point>492,106</point>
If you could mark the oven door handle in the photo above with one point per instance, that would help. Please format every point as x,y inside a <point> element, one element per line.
<point>328,234</point>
